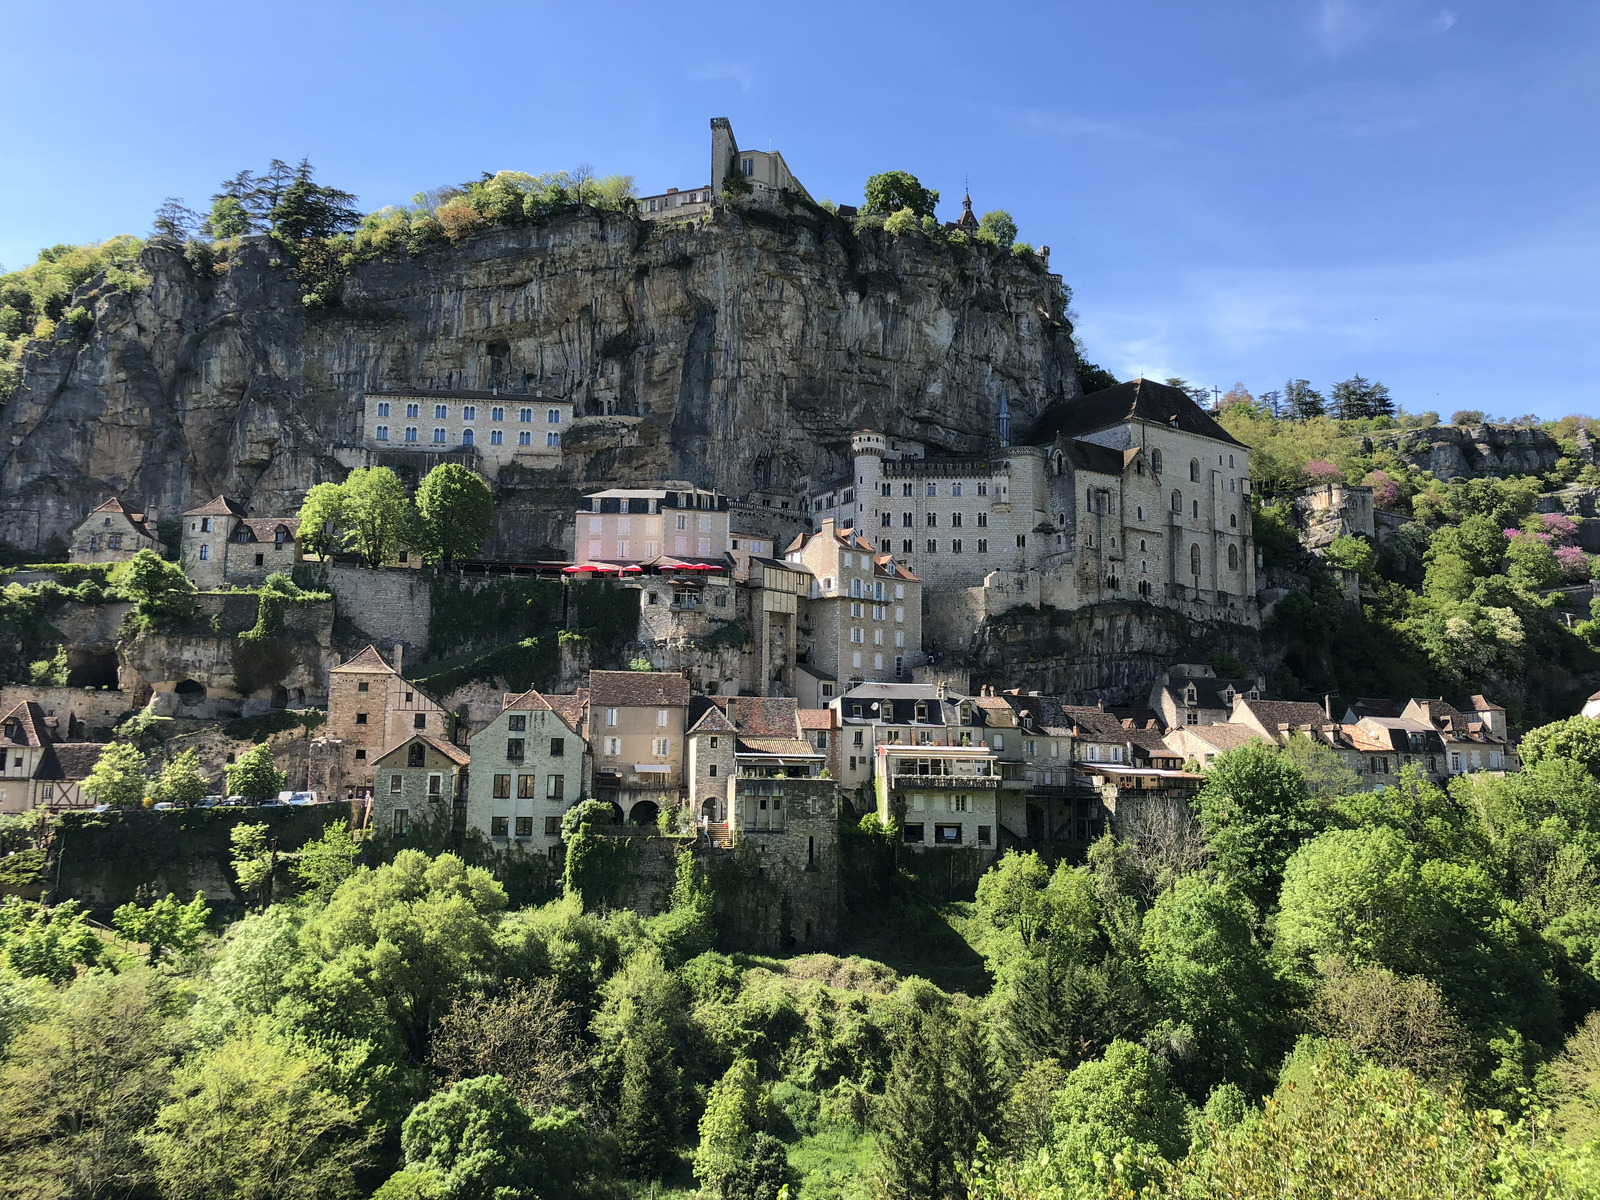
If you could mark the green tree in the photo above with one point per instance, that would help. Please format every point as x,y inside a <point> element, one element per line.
<point>1357,398</point>
<point>1532,562</point>
<point>1211,980</point>
<point>306,209</point>
<point>998,225</point>
<point>1324,769</point>
<point>1122,1104</point>
<point>1576,1091</point>
<point>117,777</point>
<point>527,1034</point>
<point>376,513</point>
<point>43,942</point>
<point>455,513</point>
<point>159,590</point>
<point>255,1117</point>
<point>730,1122</point>
<point>648,1107</point>
<point>1354,554</point>
<point>1027,1119</point>
<point>80,1085</point>
<point>180,781</point>
<point>255,860</point>
<point>1256,812</point>
<point>587,812</point>
<point>52,671</point>
<point>322,519</point>
<point>1577,739</point>
<point>164,924</point>
<point>891,191</point>
<point>322,865</point>
<point>1393,1020</point>
<point>253,776</point>
<point>912,1123</point>
<point>228,218</point>
<point>1301,400</point>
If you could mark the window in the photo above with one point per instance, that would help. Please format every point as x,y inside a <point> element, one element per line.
<point>514,747</point>
<point>983,520</point>
<point>933,546</point>
<point>383,408</point>
<point>413,410</point>
<point>363,686</point>
<point>983,835</point>
<point>435,785</point>
<point>553,416</point>
<point>711,771</point>
<point>114,541</point>
<point>905,546</point>
<point>1194,470</point>
<point>983,545</point>
<point>858,635</point>
<point>1022,541</point>
<point>913,833</point>
<point>420,721</point>
<point>205,553</point>
<point>958,804</point>
<point>1230,462</point>
<point>1177,501</point>
<point>361,756</point>
<point>955,546</point>
<point>467,437</point>
<point>502,787</point>
<point>905,489</point>
<point>555,787</point>
<point>1233,558</point>
<point>361,718</point>
<point>933,520</point>
<point>526,787</point>
<point>947,835</point>
<point>525,438</point>
<point>496,437</point>
<point>411,433</point>
<point>683,522</point>
<point>886,520</point>
<point>955,489</point>
<point>611,716</point>
<point>417,755</point>
<point>933,489</point>
<point>552,827</point>
<point>524,827</point>
<point>396,784</point>
<point>613,746</point>
<point>1194,560</point>
<point>401,816</point>
<point>383,433</point>
<point>440,412</point>
<point>558,747</point>
<point>955,519</point>
<point>525,415</point>
<point>661,747</point>
<point>497,414</point>
<point>1196,509</point>
<point>469,412</point>
<point>1155,461</point>
<point>499,827</point>
<point>661,718</point>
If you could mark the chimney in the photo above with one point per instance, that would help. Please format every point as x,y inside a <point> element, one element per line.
<point>1327,705</point>
<point>1102,703</point>
<point>940,690</point>
<point>399,658</point>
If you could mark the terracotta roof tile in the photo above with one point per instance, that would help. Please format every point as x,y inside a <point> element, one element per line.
<point>818,718</point>
<point>571,708</point>
<point>369,660</point>
<point>637,689</point>
<point>450,750</point>
<point>220,507</point>
<point>771,717</point>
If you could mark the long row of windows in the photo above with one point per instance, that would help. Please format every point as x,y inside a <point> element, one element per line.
<point>468,438</point>
<point>469,412</point>
<point>555,787</point>
<point>907,520</point>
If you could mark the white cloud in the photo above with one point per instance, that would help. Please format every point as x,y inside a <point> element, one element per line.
<point>1444,20</point>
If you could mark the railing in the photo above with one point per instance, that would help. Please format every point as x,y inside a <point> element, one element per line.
<point>945,781</point>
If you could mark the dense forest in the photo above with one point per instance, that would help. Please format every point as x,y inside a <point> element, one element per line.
<point>1304,990</point>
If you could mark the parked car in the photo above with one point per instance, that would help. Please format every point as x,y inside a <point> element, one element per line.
<point>209,802</point>
<point>164,806</point>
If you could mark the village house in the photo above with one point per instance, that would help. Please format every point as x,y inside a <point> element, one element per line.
<point>485,430</point>
<point>635,728</point>
<point>641,525</point>
<point>418,782</point>
<point>372,708</point>
<point>1191,694</point>
<point>529,765</point>
<point>113,532</point>
<point>223,544</point>
<point>1199,744</point>
<point>36,769</point>
<point>737,746</point>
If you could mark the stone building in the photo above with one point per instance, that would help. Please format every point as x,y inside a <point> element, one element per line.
<point>417,782</point>
<point>942,795</point>
<point>372,708</point>
<point>695,202</point>
<point>36,769</point>
<point>1327,511</point>
<point>635,727</point>
<point>113,532</point>
<point>488,430</point>
<point>223,544</point>
<point>638,525</point>
<point>1191,694</point>
<point>862,620</point>
<point>765,171</point>
<point>529,765</point>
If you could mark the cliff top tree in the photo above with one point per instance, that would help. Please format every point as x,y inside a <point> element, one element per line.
<point>999,225</point>
<point>455,513</point>
<point>253,776</point>
<point>320,517</point>
<point>893,190</point>
<point>159,590</point>
<point>307,209</point>
<point>1356,398</point>
<point>1301,400</point>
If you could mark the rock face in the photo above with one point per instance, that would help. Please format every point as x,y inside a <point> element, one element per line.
<point>1469,452</point>
<point>736,351</point>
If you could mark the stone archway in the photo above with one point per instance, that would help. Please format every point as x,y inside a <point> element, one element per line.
<point>644,813</point>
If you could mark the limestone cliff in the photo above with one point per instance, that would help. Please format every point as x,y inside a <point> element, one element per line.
<point>737,351</point>
<point>1469,452</point>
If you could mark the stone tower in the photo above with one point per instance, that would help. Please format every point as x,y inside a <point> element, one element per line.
<point>869,449</point>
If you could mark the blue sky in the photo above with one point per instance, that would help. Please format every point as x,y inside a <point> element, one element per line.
<point>1235,191</point>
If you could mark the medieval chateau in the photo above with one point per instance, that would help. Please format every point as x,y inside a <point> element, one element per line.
<point>810,555</point>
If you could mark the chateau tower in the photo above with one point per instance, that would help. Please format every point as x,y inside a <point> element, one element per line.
<point>869,448</point>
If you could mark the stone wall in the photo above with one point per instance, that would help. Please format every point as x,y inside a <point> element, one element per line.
<point>388,607</point>
<point>81,713</point>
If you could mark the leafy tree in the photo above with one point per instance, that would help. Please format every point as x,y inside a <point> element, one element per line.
<point>587,812</point>
<point>255,860</point>
<point>975,1093</point>
<point>322,517</point>
<point>1027,1119</point>
<point>1324,769</point>
<point>164,924</point>
<point>1357,398</point>
<point>117,777</point>
<point>255,1117</point>
<point>1576,1092</point>
<point>228,218</point>
<point>455,513</point>
<point>1256,812</point>
<point>999,225</point>
<point>81,1084</point>
<point>1210,978</point>
<point>376,513</point>
<point>893,190</point>
<point>727,1127</point>
<point>1577,739</point>
<point>1532,562</point>
<point>176,221</point>
<point>180,781</point>
<point>1354,554</point>
<point>159,590</point>
<point>1393,1020</point>
<point>1302,401</point>
<point>322,865</point>
<point>903,221</point>
<point>1122,1104</point>
<point>51,672</point>
<point>48,943</point>
<point>527,1035</point>
<point>253,776</point>
<point>648,1106</point>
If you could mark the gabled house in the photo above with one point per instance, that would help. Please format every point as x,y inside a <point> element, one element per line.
<point>223,544</point>
<point>113,532</point>
<point>1191,694</point>
<point>529,765</point>
<point>635,729</point>
<point>371,709</point>
<point>37,770</point>
<point>417,782</point>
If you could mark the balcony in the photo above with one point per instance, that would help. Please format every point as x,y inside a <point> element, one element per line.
<point>966,782</point>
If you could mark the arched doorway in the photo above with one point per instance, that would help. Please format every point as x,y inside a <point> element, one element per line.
<point>708,810</point>
<point>644,813</point>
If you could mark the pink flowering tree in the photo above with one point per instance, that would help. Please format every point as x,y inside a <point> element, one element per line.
<point>1385,489</point>
<point>1563,530</point>
<point>1320,470</point>
<point>1574,563</point>
<point>1514,534</point>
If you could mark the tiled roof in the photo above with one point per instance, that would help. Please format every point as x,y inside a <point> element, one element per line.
<point>818,718</point>
<point>777,745</point>
<point>28,721</point>
<point>1094,723</point>
<point>1221,737</point>
<point>450,750</point>
<point>1481,703</point>
<point>265,529</point>
<point>713,720</point>
<point>770,717</point>
<point>1293,713</point>
<point>637,689</point>
<point>1366,706</point>
<point>368,661</point>
<point>1207,689</point>
<point>1138,400</point>
<point>220,507</point>
<point>69,760</point>
<point>529,700</point>
<point>571,708</point>
<point>136,519</point>
<point>1091,456</point>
